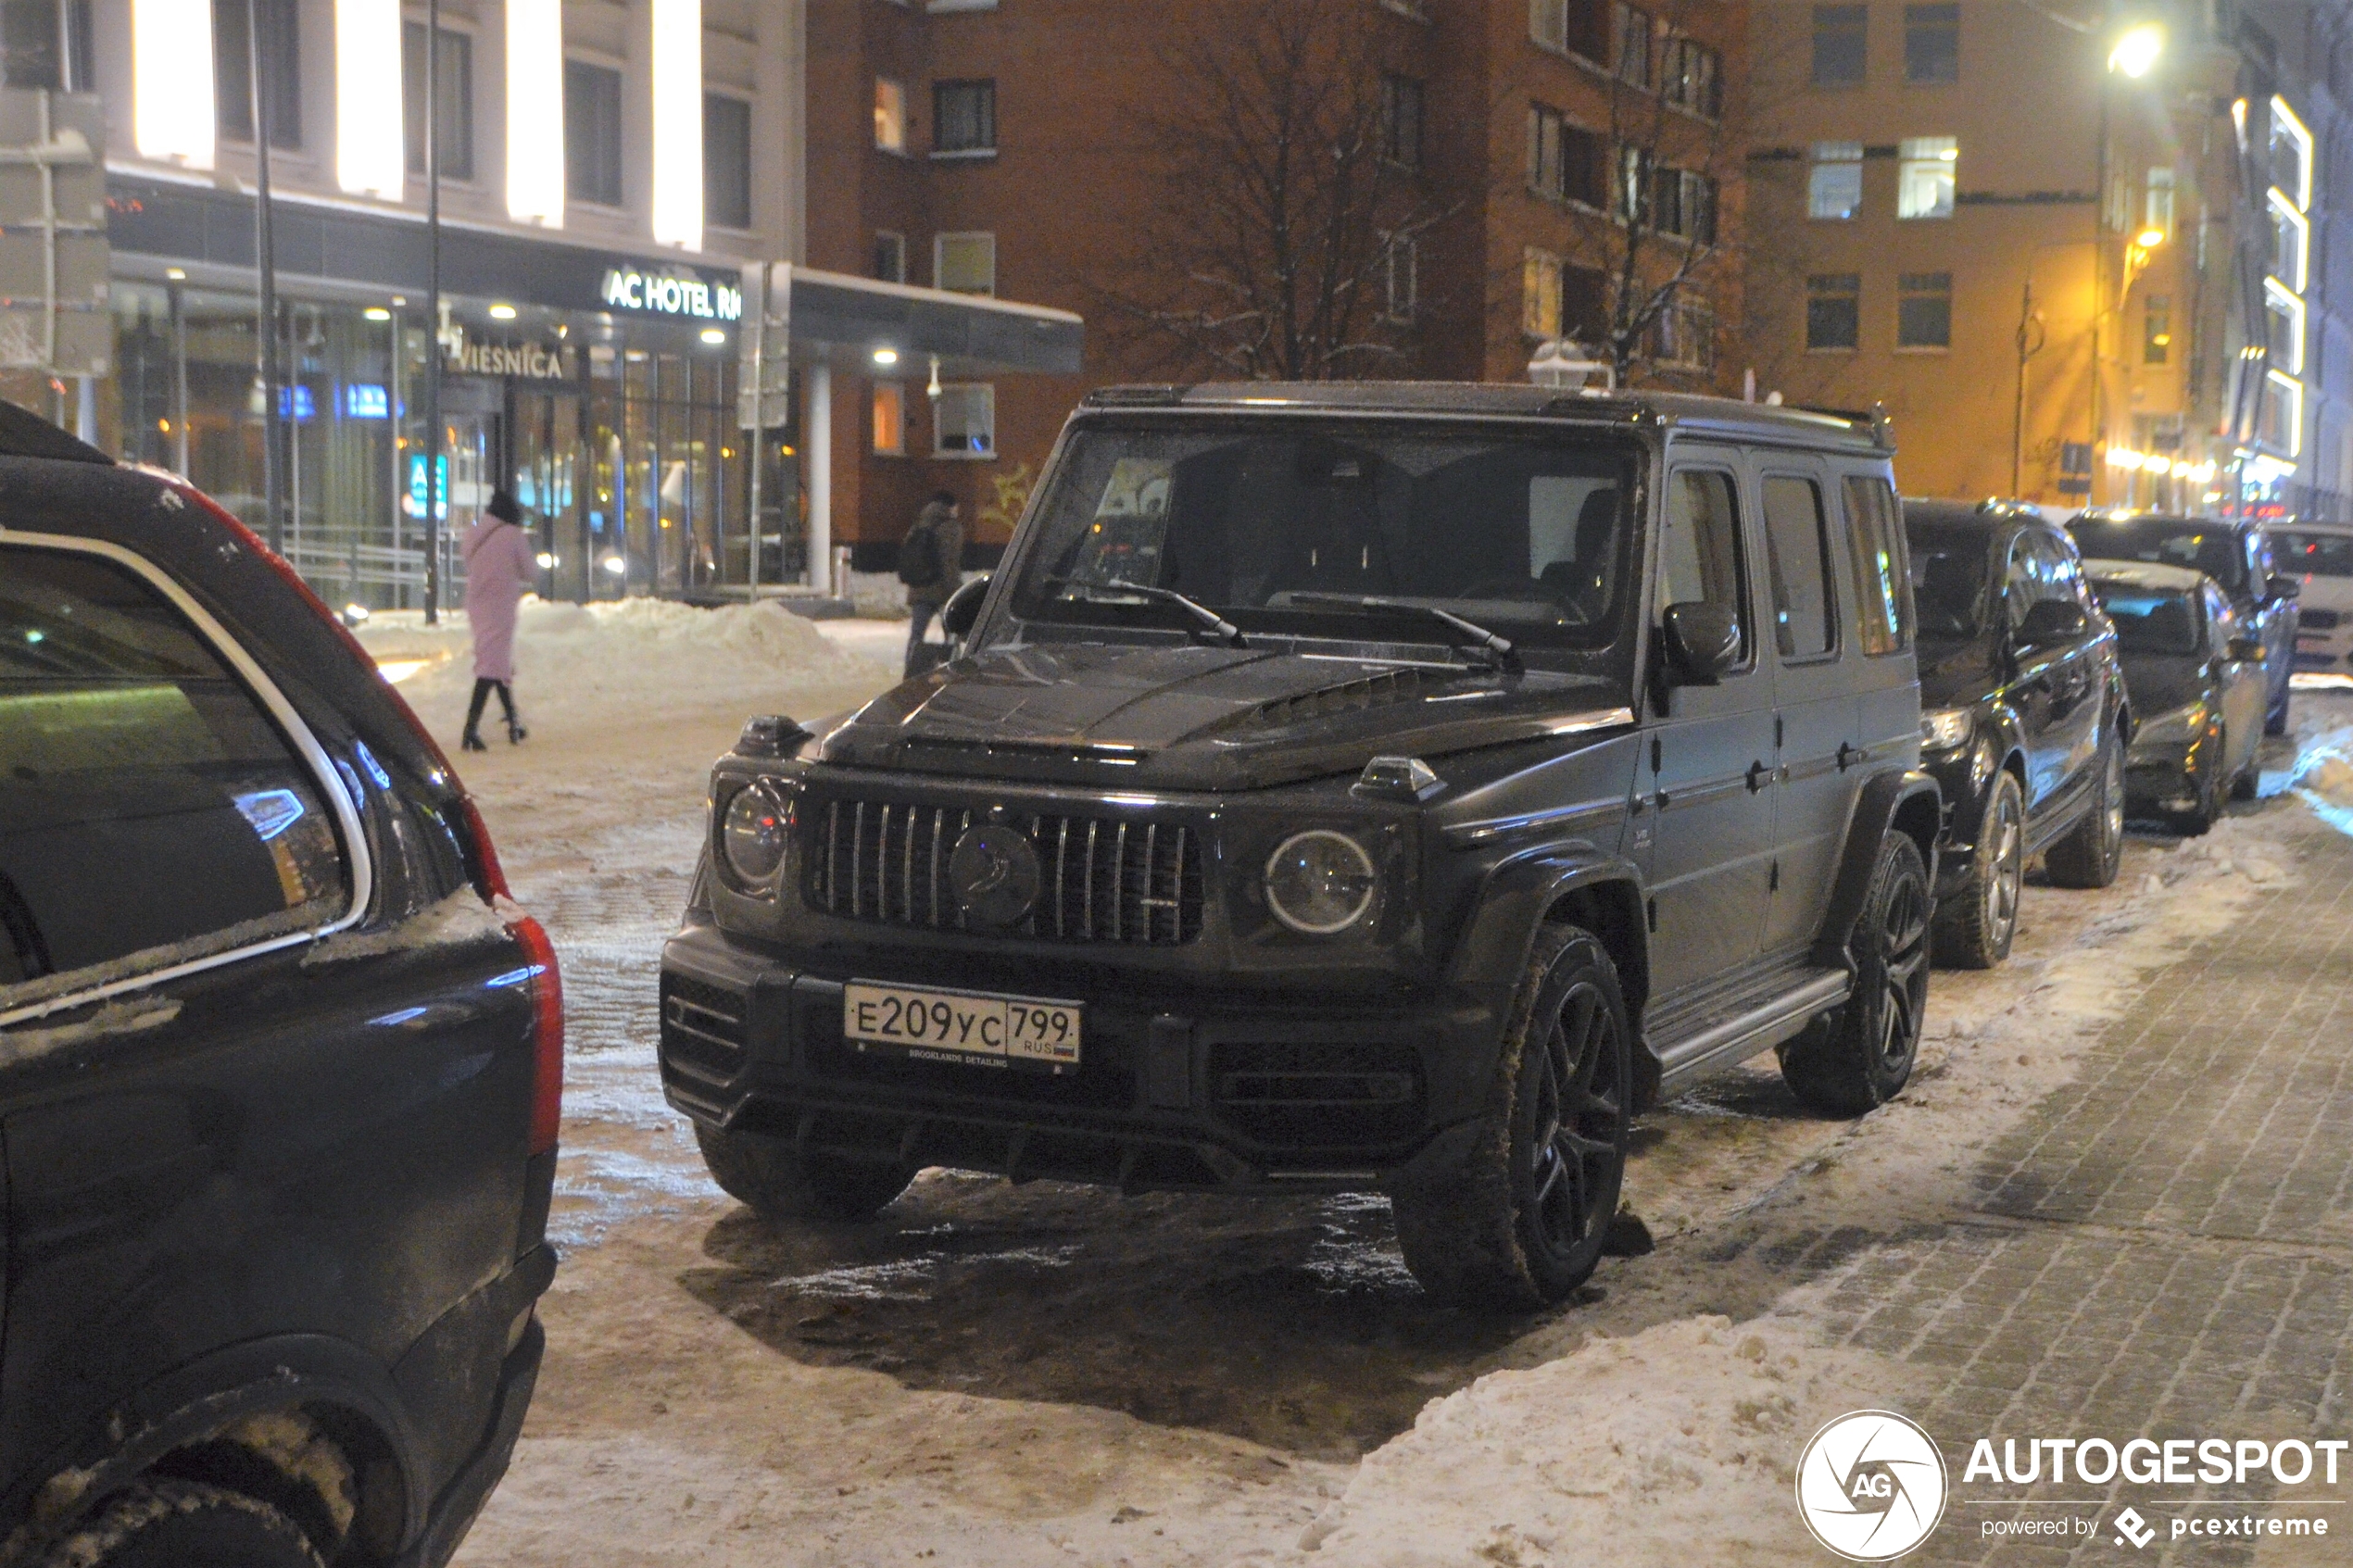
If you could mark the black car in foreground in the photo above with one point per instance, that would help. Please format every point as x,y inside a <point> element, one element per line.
<point>279,1066</point>
<point>2198,689</point>
<point>1357,786</point>
<point>2023,715</point>
<point>2236,553</point>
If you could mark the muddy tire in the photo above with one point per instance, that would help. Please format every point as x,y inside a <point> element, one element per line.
<point>2247,782</point>
<point>766,1176</point>
<point>2205,788</point>
<point>188,1524</point>
<point>1860,1057</point>
<point>2093,848</point>
<point>1521,1217</point>
<point>1976,926</point>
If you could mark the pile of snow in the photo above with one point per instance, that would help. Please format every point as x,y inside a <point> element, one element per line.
<point>1684,1437</point>
<point>633,656</point>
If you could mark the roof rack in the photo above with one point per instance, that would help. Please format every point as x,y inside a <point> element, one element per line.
<point>24,434</point>
<point>1873,419</point>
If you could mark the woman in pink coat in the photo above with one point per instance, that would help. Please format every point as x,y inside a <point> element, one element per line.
<point>500,568</point>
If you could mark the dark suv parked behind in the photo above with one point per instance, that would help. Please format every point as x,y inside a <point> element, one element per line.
<point>1344,786</point>
<point>278,1083</point>
<point>2023,716</point>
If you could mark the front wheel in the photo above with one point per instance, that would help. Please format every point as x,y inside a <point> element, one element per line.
<point>1974,928</point>
<point>170,1523</point>
<point>1519,1218</point>
<point>2093,848</point>
<point>1860,1057</point>
<point>766,1175</point>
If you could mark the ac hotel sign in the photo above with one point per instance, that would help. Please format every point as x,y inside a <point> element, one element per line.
<point>662,294</point>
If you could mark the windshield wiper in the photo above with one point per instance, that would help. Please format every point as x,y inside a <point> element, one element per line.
<point>1473,635</point>
<point>1214,623</point>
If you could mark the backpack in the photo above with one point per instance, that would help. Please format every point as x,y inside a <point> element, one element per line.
<point>919,555</point>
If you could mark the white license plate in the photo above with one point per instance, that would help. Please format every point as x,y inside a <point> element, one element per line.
<point>974,1026</point>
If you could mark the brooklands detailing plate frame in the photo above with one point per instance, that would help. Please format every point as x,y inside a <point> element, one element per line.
<point>975,1028</point>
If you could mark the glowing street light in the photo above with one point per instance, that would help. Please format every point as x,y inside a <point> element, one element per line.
<point>2149,239</point>
<point>2136,51</point>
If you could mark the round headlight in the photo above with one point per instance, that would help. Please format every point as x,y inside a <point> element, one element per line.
<point>1320,882</point>
<point>752,832</point>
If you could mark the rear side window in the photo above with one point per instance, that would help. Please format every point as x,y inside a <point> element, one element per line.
<point>1882,583</point>
<point>1700,550</point>
<point>150,810</point>
<point>1804,621</point>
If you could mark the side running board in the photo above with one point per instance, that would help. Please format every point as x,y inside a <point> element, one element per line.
<point>1760,1028</point>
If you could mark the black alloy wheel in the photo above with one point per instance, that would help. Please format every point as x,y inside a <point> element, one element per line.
<point>1520,1217</point>
<point>2094,850</point>
<point>1974,929</point>
<point>1860,1057</point>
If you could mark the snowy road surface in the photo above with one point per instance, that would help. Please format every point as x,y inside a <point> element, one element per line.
<point>995,1375</point>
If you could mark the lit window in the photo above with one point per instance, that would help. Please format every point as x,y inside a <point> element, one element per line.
<point>1833,311</point>
<point>1931,45</point>
<point>1924,176</point>
<point>965,421</point>
<point>890,115</point>
<point>2291,155</point>
<point>1924,310</point>
<point>2291,239</point>
<point>2284,313</point>
<point>2280,421</point>
<point>1835,187</point>
<point>2159,211</point>
<point>890,418</point>
<point>1541,295</point>
<point>964,263</point>
<point>2156,328</point>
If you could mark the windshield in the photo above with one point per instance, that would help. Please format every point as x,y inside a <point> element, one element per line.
<point>1948,582</point>
<point>2314,554</point>
<point>2211,548</point>
<point>1275,528</point>
<point>2150,619</point>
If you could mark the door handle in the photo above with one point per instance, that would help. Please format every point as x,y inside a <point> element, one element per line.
<point>1852,756</point>
<point>1758,776</point>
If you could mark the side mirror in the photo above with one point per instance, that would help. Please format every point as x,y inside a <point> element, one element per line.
<point>2285,587</point>
<point>1701,641</point>
<point>2052,622</point>
<point>956,617</point>
<point>2247,650</point>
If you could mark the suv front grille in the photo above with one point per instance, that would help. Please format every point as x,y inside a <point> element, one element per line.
<point>1101,879</point>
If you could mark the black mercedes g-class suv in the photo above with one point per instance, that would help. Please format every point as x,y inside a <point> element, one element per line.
<point>1354,787</point>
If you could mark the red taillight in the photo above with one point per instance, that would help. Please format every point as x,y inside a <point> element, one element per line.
<point>547,1032</point>
<point>493,878</point>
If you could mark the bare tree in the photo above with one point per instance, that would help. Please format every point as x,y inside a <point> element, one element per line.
<point>1285,248</point>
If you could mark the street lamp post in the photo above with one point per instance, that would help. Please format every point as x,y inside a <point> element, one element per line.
<point>434,490</point>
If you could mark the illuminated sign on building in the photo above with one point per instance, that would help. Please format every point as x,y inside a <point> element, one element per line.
<point>532,361</point>
<point>664,293</point>
<point>2279,410</point>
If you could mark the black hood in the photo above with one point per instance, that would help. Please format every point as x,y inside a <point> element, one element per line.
<point>1957,674</point>
<point>2159,683</point>
<point>1200,717</point>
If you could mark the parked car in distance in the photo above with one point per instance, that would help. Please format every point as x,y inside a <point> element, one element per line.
<point>1355,786</point>
<point>2236,553</point>
<point>2319,556</point>
<point>2198,689</point>
<point>278,1082</point>
<point>2023,715</point>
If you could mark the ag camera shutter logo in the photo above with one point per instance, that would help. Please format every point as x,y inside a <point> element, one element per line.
<point>1871,1485</point>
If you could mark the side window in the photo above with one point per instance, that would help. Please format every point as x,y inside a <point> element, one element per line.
<point>2066,572</point>
<point>2221,621</point>
<point>125,743</point>
<point>1699,553</point>
<point>1797,537</point>
<point>1882,582</point>
<point>2021,586</point>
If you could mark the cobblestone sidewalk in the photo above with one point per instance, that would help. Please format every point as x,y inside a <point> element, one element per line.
<point>2164,1248</point>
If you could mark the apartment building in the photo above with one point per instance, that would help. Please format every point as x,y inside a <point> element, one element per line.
<point>1021,147</point>
<point>2053,246</point>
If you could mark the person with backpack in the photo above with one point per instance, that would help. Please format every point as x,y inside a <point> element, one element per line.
<point>931,563</point>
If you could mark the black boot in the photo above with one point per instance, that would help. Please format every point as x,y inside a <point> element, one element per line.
<point>515,731</point>
<point>472,742</point>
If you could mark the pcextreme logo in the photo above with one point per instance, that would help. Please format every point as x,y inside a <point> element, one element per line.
<point>1871,1485</point>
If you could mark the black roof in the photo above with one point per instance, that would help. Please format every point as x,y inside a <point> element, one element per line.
<point>1861,431</point>
<point>1987,518</point>
<point>24,434</point>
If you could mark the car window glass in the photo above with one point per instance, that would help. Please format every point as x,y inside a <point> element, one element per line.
<point>2023,582</point>
<point>2158,621</point>
<point>2211,548</point>
<point>2223,615</point>
<point>149,809</point>
<point>1797,538</point>
<point>1699,552</point>
<point>2317,555</point>
<point>2066,572</point>
<point>1882,586</point>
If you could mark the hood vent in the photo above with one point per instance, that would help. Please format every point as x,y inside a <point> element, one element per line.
<point>1389,688</point>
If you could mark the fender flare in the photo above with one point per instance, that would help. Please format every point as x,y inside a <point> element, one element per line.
<point>190,1402</point>
<point>1908,799</point>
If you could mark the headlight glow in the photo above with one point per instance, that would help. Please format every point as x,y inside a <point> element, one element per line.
<point>753,832</point>
<point>1942,728</point>
<point>1320,882</point>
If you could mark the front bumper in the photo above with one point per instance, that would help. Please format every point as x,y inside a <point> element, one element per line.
<point>1182,1087</point>
<point>1961,778</point>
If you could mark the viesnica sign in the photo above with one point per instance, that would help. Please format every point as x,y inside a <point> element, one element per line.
<point>532,361</point>
<point>664,294</point>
